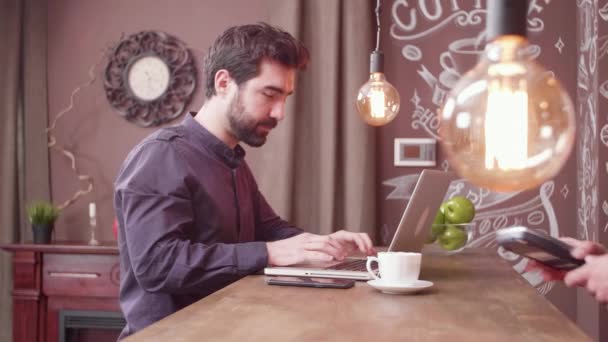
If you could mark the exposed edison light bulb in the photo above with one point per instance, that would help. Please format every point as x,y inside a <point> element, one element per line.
<point>378,101</point>
<point>507,125</point>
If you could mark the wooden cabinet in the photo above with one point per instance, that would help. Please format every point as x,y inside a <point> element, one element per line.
<point>49,279</point>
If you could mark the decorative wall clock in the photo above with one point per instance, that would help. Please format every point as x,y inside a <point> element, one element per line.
<point>150,78</point>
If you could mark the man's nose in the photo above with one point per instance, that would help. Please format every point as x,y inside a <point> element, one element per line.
<point>278,111</point>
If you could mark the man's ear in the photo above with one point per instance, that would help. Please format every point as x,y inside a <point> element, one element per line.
<point>222,82</point>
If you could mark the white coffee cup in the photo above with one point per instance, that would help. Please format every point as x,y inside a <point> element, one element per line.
<point>396,267</point>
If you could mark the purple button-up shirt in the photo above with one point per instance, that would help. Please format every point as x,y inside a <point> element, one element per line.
<point>192,221</point>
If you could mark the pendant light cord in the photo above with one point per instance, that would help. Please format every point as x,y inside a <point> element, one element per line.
<point>378,11</point>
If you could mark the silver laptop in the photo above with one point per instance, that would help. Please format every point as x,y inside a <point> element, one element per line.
<point>411,234</point>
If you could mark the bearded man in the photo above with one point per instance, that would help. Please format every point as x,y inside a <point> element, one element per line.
<point>191,217</point>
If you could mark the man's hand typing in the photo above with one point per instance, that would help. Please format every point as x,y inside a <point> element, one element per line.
<point>306,247</point>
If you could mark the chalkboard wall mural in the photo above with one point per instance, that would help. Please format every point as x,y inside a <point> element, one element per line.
<point>462,54</point>
<point>413,25</point>
<point>601,47</point>
<point>587,142</point>
<point>602,51</point>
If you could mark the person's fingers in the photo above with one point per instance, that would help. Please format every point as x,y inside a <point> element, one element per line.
<point>583,248</point>
<point>581,252</point>
<point>591,286</point>
<point>590,258</point>
<point>337,244</point>
<point>602,295</point>
<point>325,247</point>
<point>578,251</point>
<point>342,237</point>
<point>322,246</point>
<point>326,238</point>
<point>596,283</point>
<point>369,245</point>
<point>577,277</point>
<point>342,248</point>
<point>316,256</point>
<point>571,241</point>
<point>361,240</point>
<point>593,289</point>
<point>596,248</point>
<point>358,240</point>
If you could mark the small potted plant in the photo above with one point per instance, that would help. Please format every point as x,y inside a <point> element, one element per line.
<point>42,215</point>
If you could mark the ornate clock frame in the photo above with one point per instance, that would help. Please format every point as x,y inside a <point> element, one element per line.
<point>166,104</point>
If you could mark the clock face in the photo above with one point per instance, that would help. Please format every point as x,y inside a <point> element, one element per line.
<point>148,78</point>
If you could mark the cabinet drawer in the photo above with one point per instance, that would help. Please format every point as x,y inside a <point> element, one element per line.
<point>80,275</point>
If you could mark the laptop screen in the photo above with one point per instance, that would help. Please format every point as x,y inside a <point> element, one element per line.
<point>420,211</point>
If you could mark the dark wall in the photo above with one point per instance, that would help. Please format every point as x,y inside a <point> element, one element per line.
<point>418,37</point>
<point>79,35</point>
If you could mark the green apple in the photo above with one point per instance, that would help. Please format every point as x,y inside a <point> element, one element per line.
<point>437,227</point>
<point>452,238</point>
<point>458,210</point>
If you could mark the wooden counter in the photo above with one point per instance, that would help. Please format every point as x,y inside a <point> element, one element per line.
<point>477,296</point>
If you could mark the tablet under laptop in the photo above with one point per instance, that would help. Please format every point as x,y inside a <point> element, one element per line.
<point>411,234</point>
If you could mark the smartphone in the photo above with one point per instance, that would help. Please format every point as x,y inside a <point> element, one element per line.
<point>311,282</point>
<point>542,248</point>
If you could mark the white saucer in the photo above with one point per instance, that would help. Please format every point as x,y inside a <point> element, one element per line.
<point>389,288</point>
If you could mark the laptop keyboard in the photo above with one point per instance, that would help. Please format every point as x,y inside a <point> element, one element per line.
<point>351,265</point>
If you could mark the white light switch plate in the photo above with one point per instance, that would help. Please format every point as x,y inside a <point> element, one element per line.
<point>415,152</point>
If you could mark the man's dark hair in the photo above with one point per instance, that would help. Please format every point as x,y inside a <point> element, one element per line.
<point>241,49</point>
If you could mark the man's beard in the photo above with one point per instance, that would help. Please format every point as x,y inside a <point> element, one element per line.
<point>244,127</point>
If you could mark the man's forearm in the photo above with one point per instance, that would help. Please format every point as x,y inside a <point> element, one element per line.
<point>180,266</point>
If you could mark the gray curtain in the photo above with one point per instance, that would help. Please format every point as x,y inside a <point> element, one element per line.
<point>318,168</point>
<point>24,174</point>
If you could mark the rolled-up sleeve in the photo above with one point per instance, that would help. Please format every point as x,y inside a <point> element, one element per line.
<point>154,208</point>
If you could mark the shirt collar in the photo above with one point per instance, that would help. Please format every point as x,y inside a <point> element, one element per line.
<point>232,157</point>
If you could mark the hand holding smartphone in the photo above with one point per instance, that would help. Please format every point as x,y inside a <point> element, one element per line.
<point>311,282</point>
<point>542,248</point>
